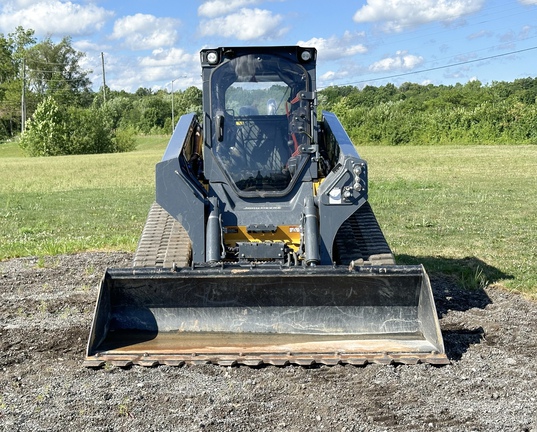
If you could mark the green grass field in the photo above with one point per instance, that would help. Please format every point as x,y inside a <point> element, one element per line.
<point>467,211</point>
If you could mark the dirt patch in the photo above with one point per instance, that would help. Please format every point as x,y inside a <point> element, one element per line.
<point>45,314</point>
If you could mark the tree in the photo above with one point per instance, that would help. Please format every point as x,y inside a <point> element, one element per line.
<point>330,95</point>
<point>20,41</point>
<point>54,69</point>
<point>7,72</point>
<point>12,49</point>
<point>189,101</point>
<point>141,92</point>
<point>7,65</point>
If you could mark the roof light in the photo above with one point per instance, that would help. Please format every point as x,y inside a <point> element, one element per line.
<point>305,56</point>
<point>212,57</point>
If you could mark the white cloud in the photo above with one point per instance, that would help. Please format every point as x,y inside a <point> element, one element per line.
<point>155,71</point>
<point>55,17</point>
<point>85,45</point>
<point>331,75</point>
<point>142,31</point>
<point>528,2</point>
<point>246,24</point>
<point>330,78</point>
<point>214,8</point>
<point>172,57</point>
<point>18,4</point>
<point>479,34</point>
<point>335,48</point>
<point>400,14</point>
<point>507,37</point>
<point>525,32</point>
<point>465,57</point>
<point>401,61</point>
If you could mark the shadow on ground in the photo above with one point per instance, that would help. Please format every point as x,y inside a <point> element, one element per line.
<point>458,285</point>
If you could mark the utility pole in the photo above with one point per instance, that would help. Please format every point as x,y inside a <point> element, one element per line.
<point>104,79</point>
<point>23,97</point>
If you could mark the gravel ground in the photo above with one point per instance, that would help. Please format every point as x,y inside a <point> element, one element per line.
<point>45,313</point>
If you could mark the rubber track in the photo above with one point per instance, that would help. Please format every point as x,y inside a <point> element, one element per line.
<point>164,242</point>
<point>360,240</point>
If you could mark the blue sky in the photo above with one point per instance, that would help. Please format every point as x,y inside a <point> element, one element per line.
<point>149,43</point>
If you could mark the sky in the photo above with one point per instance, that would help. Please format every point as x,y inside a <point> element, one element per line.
<point>155,44</point>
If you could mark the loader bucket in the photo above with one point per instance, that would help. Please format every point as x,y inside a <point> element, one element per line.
<point>255,316</point>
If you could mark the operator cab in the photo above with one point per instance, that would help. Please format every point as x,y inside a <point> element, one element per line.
<point>261,110</point>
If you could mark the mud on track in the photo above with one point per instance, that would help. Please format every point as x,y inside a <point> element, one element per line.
<point>45,313</point>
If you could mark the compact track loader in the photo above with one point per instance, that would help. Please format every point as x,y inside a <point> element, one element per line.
<point>261,247</point>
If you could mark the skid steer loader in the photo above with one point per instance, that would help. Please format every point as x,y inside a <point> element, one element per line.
<point>261,247</point>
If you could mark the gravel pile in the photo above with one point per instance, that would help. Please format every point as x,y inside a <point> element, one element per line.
<point>46,308</point>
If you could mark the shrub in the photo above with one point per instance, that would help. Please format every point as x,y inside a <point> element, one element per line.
<point>90,132</point>
<point>53,131</point>
<point>46,133</point>
<point>124,140</point>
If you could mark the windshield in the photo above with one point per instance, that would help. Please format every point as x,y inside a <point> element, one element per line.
<point>255,106</point>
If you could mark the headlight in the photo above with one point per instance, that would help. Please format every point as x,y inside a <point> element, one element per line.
<point>305,56</point>
<point>212,57</point>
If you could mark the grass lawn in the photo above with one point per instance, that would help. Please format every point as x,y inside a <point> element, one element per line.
<point>467,211</point>
<point>68,204</point>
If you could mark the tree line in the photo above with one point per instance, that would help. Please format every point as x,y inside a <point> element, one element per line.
<point>65,116</point>
<point>473,113</point>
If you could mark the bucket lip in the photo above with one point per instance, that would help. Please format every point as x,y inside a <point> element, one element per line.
<point>308,359</point>
<point>236,270</point>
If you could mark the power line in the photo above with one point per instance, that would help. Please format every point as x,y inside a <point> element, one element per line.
<point>441,67</point>
<point>45,62</point>
<point>459,55</point>
<point>49,71</point>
